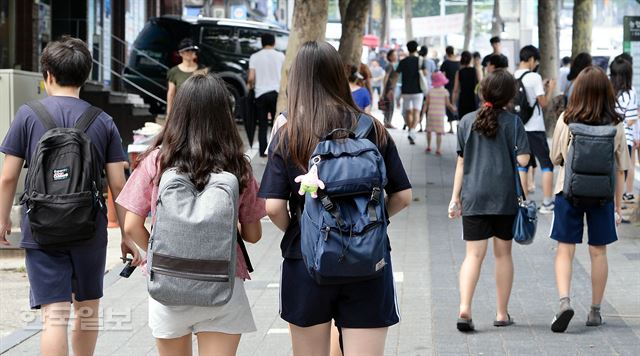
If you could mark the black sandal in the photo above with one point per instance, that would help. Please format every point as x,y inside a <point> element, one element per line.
<point>465,325</point>
<point>500,323</point>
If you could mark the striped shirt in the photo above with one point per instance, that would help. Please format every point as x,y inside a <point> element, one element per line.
<point>628,107</point>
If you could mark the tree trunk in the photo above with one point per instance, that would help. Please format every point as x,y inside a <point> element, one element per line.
<point>582,23</point>
<point>547,38</point>
<point>384,31</point>
<point>309,24</point>
<point>353,24</point>
<point>496,20</point>
<point>468,24</point>
<point>408,16</point>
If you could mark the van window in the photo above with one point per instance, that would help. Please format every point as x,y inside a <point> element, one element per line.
<point>251,41</point>
<point>220,38</point>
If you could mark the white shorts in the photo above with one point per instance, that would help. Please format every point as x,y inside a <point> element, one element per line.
<point>412,102</point>
<point>235,317</point>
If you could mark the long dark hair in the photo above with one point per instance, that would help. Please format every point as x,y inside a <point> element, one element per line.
<point>465,58</point>
<point>582,61</point>
<point>621,75</point>
<point>592,101</point>
<point>200,137</point>
<point>498,88</point>
<point>319,101</point>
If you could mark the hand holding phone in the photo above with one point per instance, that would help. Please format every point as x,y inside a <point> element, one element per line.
<point>128,268</point>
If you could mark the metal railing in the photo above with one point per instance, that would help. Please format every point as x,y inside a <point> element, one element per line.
<point>133,48</point>
<point>130,82</point>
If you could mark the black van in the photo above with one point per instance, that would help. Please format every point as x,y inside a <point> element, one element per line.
<point>225,48</point>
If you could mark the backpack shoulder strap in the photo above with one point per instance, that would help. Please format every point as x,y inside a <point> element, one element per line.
<point>42,114</point>
<point>523,74</point>
<point>87,118</point>
<point>364,126</point>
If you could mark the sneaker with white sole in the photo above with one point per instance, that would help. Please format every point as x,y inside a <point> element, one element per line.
<point>546,208</point>
<point>628,197</point>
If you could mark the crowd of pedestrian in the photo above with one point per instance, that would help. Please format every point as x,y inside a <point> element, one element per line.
<point>333,176</point>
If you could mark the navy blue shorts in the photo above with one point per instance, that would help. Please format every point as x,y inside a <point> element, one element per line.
<point>540,150</point>
<point>368,304</point>
<point>56,274</point>
<point>568,223</point>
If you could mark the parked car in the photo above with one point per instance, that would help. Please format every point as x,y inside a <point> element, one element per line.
<point>225,48</point>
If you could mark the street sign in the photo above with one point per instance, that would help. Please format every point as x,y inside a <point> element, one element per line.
<point>632,45</point>
<point>239,12</point>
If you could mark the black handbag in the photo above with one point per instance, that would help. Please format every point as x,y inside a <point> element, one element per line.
<point>526,221</point>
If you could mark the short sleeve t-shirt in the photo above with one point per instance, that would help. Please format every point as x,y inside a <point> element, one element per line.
<point>488,186</point>
<point>361,97</point>
<point>176,76</point>
<point>532,83</point>
<point>408,68</point>
<point>278,183</point>
<point>268,64</point>
<point>141,192</point>
<point>627,106</point>
<point>26,130</point>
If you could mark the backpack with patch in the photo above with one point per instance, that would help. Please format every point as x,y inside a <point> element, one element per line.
<point>520,104</point>
<point>63,188</point>
<point>590,164</point>
<point>192,248</point>
<point>344,230</point>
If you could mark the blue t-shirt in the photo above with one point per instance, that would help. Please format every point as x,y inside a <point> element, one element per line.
<point>361,97</point>
<point>26,130</point>
<point>278,183</point>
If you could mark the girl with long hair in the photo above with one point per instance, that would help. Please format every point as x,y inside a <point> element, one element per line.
<point>467,77</point>
<point>593,103</point>
<point>198,139</point>
<point>484,192</point>
<point>319,101</point>
<point>621,74</point>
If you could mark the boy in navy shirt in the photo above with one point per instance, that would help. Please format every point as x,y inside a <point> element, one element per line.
<point>62,275</point>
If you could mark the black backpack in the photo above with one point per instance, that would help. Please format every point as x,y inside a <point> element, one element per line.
<point>63,190</point>
<point>590,168</point>
<point>520,104</point>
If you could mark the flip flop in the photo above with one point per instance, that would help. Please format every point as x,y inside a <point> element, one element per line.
<point>500,323</point>
<point>465,325</point>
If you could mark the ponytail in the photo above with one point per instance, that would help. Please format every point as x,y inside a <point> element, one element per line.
<point>487,120</point>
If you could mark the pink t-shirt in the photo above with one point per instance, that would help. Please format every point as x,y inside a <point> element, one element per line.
<point>140,193</point>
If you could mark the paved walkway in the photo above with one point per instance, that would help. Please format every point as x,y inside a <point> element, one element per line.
<point>427,253</point>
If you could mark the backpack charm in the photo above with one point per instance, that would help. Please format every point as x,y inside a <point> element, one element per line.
<point>309,183</point>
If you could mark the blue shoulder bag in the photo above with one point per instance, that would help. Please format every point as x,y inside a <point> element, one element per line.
<point>524,226</point>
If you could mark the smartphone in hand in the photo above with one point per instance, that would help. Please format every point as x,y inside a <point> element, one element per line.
<point>128,268</point>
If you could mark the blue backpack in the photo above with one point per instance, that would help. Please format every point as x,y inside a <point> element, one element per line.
<point>344,230</point>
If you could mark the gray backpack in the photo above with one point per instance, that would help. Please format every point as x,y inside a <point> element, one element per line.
<point>192,250</point>
<point>590,165</point>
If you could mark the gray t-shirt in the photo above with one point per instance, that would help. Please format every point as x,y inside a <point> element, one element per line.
<point>488,186</point>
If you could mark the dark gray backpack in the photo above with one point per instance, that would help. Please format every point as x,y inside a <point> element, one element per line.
<point>590,164</point>
<point>192,250</point>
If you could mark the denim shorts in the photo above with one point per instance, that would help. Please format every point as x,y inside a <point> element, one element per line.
<point>568,223</point>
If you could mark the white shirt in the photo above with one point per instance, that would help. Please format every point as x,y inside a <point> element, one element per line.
<point>628,108</point>
<point>267,64</point>
<point>532,83</point>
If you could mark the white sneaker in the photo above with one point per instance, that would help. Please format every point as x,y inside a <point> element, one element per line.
<point>546,208</point>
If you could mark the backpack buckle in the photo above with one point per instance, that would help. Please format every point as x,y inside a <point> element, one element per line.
<point>373,201</point>
<point>327,204</point>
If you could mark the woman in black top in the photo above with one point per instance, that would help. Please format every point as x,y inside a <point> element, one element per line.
<point>450,67</point>
<point>464,87</point>
<point>319,101</point>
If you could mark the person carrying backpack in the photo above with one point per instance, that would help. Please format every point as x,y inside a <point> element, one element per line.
<point>67,144</point>
<point>199,188</point>
<point>589,146</point>
<point>486,201</point>
<point>336,251</point>
<point>528,103</point>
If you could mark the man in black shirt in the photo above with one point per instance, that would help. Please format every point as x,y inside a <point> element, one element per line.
<point>497,47</point>
<point>412,95</point>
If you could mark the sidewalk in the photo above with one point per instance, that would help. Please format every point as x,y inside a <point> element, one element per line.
<point>427,253</point>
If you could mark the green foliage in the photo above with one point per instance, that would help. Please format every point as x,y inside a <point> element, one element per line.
<point>419,8</point>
